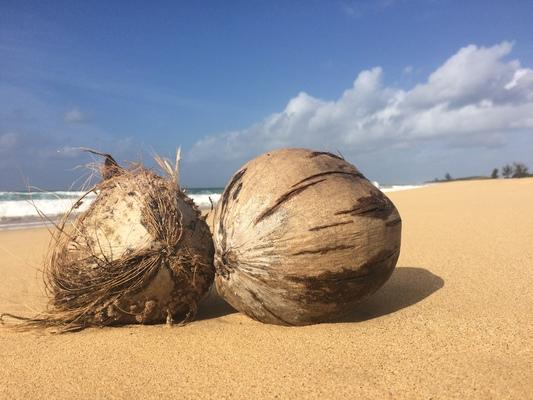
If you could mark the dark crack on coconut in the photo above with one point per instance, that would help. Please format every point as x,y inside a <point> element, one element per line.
<point>394,222</point>
<point>376,205</point>
<point>320,227</point>
<point>237,191</point>
<point>321,174</point>
<point>325,153</point>
<point>265,308</point>
<point>283,198</point>
<point>323,250</point>
<point>222,264</point>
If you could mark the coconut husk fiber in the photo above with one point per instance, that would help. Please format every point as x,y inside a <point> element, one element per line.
<point>140,254</point>
<point>302,236</point>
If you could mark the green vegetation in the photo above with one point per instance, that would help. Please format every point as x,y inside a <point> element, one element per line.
<point>516,170</point>
<point>520,170</point>
<point>507,171</point>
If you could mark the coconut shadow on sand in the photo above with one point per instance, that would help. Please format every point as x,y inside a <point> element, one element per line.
<point>406,287</point>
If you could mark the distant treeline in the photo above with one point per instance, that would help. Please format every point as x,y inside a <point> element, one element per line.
<point>516,170</point>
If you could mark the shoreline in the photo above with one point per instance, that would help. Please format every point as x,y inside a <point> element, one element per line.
<point>33,221</point>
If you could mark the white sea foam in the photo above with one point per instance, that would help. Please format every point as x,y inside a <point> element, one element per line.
<point>19,209</point>
<point>399,188</point>
<point>32,208</point>
<point>202,200</point>
<point>57,206</point>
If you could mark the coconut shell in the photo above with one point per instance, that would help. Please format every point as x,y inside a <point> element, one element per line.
<point>140,254</point>
<point>301,236</point>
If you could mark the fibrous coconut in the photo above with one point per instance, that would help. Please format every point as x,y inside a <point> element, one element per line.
<point>140,254</point>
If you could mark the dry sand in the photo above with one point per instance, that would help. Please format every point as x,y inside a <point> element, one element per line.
<point>454,321</point>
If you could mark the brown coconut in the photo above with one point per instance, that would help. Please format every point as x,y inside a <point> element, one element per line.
<point>140,254</point>
<point>301,236</point>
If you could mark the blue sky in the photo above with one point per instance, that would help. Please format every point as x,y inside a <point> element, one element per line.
<point>406,90</point>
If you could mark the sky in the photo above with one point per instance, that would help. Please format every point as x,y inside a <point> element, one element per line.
<point>406,90</point>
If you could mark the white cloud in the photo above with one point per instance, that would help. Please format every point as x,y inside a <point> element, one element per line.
<point>408,70</point>
<point>74,116</point>
<point>8,141</point>
<point>357,9</point>
<point>476,98</point>
<point>34,142</point>
<point>66,152</point>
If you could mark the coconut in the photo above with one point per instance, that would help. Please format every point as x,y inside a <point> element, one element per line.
<point>302,236</point>
<point>140,254</point>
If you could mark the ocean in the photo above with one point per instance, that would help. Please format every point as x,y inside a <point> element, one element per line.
<point>25,210</point>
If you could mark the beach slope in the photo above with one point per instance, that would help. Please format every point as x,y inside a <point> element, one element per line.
<point>454,321</point>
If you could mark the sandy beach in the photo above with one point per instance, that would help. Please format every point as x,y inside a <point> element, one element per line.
<point>454,321</point>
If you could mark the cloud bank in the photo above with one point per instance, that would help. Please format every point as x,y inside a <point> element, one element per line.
<point>476,98</point>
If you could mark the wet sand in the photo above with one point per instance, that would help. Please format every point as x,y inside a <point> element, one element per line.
<point>454,321</point>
